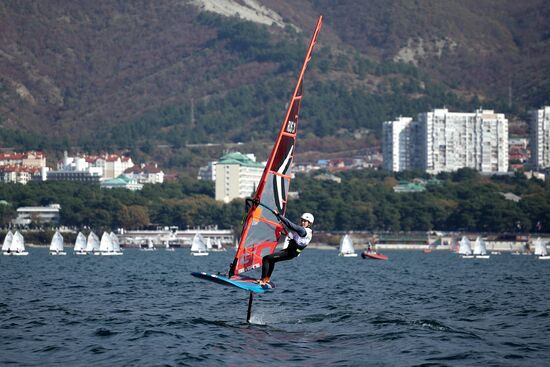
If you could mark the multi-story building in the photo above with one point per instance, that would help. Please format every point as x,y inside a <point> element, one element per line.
<point>112,165</point>
<point>208,172</point>
<point>90,168</point>
<point>20,174</point>
<point>145,173</point>
<point>540,137</point>
<point>27,159</point>
<point>38,214</point>
<point>77,176</point>
<point>75,169</point>
<point>237,176</point>
<point>399,148</point>
<point>453,140</point>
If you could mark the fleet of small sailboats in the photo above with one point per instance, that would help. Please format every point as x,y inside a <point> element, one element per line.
<point>16,246</point>
<point>109,245</point>
<point>346,247</point>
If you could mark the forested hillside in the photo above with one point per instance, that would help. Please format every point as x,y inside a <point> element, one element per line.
<point>154,77</point>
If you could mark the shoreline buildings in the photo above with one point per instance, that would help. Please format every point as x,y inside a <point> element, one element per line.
<point>443,141</point>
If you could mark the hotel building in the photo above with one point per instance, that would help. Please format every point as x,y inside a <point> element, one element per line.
<point>237,176</point>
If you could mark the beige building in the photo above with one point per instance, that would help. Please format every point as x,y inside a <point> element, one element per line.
<point>113,165</point>
<point>27,159</point>
<point>237,176</point>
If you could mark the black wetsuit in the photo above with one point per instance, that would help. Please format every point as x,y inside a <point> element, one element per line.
<point>292,251</point>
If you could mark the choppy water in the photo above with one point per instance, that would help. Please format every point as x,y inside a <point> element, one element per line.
<point>144,309</point>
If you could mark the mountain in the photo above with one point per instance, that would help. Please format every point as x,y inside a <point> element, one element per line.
<point>160,78</point>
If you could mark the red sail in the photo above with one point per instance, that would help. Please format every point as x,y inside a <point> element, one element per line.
<point>261,230</point>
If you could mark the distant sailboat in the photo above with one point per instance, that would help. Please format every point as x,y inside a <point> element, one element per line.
<point>167,247</point>
<point>17,246</point>
<point>465,248</point>
<point>92,244</point>
<point>198,248</point>
<point>540,250</point>
<point>346,247</point>
<point>480,250</point>
<point>105,245</point>
<point>80,244</point>
<point>7,243</point>
<point>116,244</point>
<point>217,246</point>
<point>150,246</point>
<point>56,245</point>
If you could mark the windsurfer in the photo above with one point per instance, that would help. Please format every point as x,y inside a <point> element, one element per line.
<point>296,241</point>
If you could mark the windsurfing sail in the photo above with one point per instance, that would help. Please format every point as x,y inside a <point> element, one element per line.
<point>261,230</point>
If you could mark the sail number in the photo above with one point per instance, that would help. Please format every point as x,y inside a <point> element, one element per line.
<point>291,127</point>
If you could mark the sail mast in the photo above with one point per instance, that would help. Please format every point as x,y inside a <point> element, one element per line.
<point>296,98</point>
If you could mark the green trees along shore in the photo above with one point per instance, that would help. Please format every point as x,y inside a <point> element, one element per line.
<point>363,200</point>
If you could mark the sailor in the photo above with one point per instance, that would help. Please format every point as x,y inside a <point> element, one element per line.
<point>296,241</point>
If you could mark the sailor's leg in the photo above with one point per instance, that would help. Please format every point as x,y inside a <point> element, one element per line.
<point>282,255</point>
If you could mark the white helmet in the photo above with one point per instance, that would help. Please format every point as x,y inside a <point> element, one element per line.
<point>308,217</point>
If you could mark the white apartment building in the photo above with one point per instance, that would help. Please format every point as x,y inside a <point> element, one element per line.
<point>540,137</point>
<point>146,173</point>
<point>453,140</point>
<point>237,176</point>
<point>90,168</point>
<point>399,144</point>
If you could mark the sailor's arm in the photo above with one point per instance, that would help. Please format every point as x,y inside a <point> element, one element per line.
<point>301,231</point>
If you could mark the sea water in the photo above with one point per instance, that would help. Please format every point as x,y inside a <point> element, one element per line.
<point>145,309</point>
